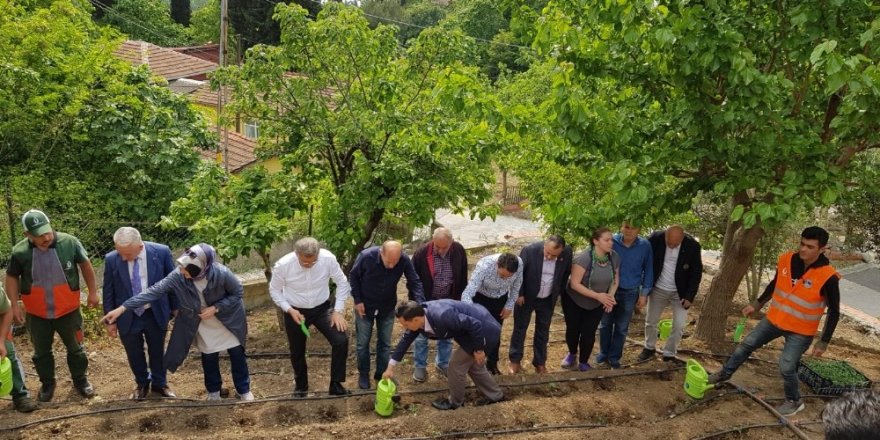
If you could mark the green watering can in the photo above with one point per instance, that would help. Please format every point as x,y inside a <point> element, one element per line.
<point>664,328</point>
<point>696,381</point>
<point>740,329</point>
<point>5,376</point>
<point>385,390</point>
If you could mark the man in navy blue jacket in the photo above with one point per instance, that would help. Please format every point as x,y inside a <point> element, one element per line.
<point>134,266</point>
<point>373,280</point>
<point>471,326</point>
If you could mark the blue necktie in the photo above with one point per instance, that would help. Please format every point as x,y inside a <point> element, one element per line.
<point>136,284</point>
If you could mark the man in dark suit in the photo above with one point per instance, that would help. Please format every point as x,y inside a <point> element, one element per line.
<point>678,269</point>
<point>546,267</point>
<point>471,326</point>
<point>134,266</point>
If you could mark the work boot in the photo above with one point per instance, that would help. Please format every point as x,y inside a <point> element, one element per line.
<point>24,404</point>
<point>646,354</point>
<point>790,407</point>
<point>47,391</point>
<point>718,377</point>
<point>420,374</point>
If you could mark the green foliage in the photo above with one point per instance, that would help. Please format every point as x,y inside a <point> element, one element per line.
<point>859,207</point>
<point>423,14</point>
<point>253,19</point>
<point>376,134</point>
<point>238,214</point>
<point>147,20</point>
<point>205,23</point>
<point>84,136</point>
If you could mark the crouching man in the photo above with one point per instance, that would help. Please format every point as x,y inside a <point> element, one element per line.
<point>471,326</point>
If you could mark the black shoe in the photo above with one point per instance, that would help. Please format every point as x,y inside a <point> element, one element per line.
<point>494,370</point>
<point>673,360</point>
<point>364,382</point>
<point>47,390</point>
<point>140,393</point>
<point>444,404</point>
<point>336,389</point>
<point>482,401</point>
<point>164,392</point>
<point>646,354</point>
<point>85,389</point>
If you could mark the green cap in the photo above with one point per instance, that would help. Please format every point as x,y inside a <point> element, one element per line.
<point>36,222</point>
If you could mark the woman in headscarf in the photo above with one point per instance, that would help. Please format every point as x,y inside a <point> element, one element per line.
<point>211,314</point>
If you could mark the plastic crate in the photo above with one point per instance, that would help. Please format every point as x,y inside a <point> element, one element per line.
<point>822,385</point>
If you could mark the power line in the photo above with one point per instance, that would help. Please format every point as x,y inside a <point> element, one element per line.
<point>129,20</point>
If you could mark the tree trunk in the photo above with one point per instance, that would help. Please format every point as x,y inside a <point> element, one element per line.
<point>736,256</point>
<point>267,271</point>
<point>372,224</point>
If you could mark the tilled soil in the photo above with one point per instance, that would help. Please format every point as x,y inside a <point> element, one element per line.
<point>638,402</point>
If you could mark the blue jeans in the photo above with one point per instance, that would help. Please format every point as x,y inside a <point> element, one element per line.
<point>364,328</point>
<point>240,376</point>
<point>615,326</point>
<point>794,347</point>
<point>444,352</point>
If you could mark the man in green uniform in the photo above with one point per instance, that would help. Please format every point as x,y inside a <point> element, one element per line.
<point>21,400</point>
<point>44,272</point>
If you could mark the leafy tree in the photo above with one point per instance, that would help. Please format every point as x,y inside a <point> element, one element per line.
<point>253,19</point>
<point>373,134</point>
<point>181,11</point>
<point>85,136</point>
<point>205,23</point>
<point>147,20</point>
<point>423,15</point>
<point>768,104</point>
<point>238,214</point>
<point>859,207</point>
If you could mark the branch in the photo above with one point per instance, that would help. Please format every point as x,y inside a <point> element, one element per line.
<point>848,152</point>
<point>831,113</point>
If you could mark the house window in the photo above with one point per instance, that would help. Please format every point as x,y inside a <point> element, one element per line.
<point>251,130</point>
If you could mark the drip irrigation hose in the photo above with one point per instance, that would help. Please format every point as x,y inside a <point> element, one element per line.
<point>504,431</point>
<point>740,429</point>
<point>781,418</point>
<point>288,398</point>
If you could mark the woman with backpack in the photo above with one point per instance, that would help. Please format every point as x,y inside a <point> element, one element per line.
<point>595,275</point>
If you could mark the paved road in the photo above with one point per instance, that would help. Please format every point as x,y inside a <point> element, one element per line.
<point>860,289</point>
<point>478,233</point>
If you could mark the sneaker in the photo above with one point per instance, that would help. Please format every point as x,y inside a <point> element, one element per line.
<point>646,354</point>
<point>247,397</point>
<point>790,407</point>
<point>443,371</point>
<point>584,366</point>
<point>47,390</point>
<point>24,404</point>
<point>718,377</point>
<point>568,361</point>
<point>85,389</point>
<point>364,381</point>
<point>213,396</point>
<point>420,374</point>
<point>601,358</point>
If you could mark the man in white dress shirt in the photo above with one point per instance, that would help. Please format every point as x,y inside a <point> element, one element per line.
<point>300,287</point>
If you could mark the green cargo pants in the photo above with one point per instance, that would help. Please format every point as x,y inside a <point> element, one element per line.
<point>69,328</point>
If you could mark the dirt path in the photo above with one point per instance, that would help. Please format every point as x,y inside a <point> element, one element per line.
<point>632,407</point>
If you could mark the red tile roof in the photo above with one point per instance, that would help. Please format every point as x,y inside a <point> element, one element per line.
<point>241,151</point>
<point>163,62</point>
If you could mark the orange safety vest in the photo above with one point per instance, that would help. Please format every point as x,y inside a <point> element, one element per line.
<point>798,307</point>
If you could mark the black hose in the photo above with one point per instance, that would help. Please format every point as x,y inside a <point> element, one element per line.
<point>742,428</point>
<point>504,431</point>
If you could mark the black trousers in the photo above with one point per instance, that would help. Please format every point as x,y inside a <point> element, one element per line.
<point>494,306</point>
<point>522,315</point>
<point>320,318</point>
<point>580,328</point>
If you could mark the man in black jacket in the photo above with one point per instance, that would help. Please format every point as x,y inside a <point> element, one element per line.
<point>546,267</point>
<point>442,266</point>
<point>678,268</point>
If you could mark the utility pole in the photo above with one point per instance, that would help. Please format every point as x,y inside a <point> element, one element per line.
<point>222,131</point>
